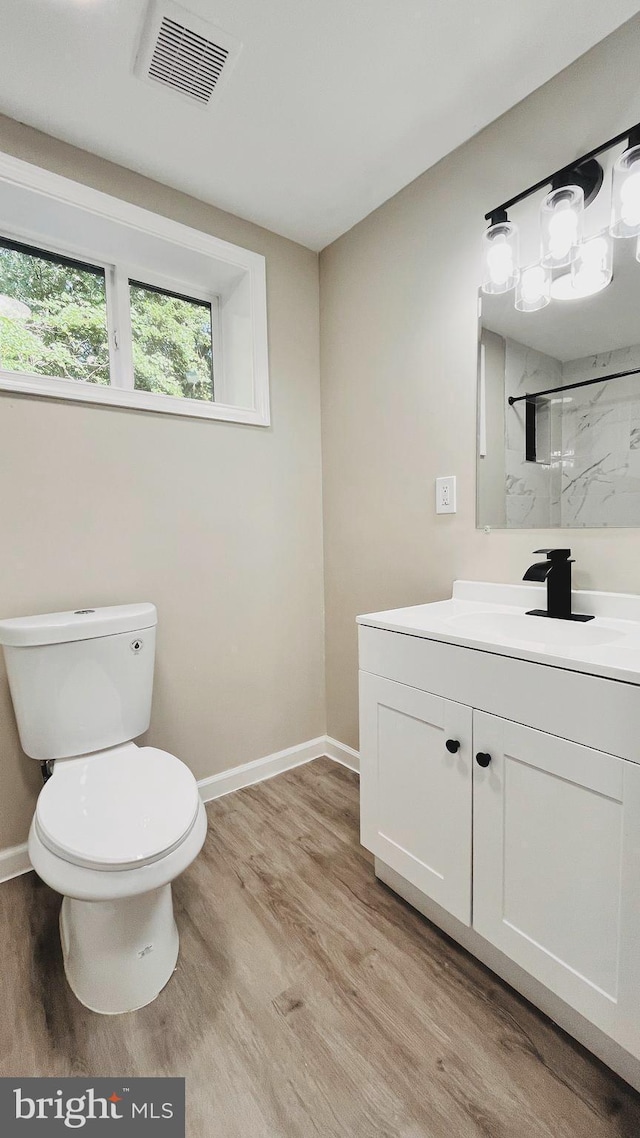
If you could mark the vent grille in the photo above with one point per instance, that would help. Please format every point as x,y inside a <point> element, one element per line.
<point>187,62</point>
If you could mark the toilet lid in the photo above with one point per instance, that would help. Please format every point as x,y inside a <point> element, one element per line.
<point>118,809</point>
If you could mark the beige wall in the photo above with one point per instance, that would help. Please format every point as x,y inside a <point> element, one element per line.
<point>219,524</point>
<point>398,351</point>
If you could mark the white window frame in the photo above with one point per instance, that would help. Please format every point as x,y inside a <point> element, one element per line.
<point>245,264</point>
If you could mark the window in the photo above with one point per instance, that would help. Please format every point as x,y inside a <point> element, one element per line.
<point>56,315</point>
<point>172,343</point>
<point>105,302</point>
<point>53,315</point>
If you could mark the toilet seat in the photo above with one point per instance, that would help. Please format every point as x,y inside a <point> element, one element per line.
<point>119,809</point>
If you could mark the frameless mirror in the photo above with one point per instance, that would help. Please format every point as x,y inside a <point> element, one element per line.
<point>568,456</point>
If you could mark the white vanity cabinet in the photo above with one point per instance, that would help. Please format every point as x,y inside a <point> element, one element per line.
<point>416,800</point>
<point>556,867</point>
<point>522,843</point>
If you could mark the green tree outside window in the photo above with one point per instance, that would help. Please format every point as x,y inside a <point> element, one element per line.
<point>53,322</point>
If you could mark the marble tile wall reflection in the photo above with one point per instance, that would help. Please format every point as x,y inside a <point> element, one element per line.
<point>592,476</point>
<point>527,484</point>
<point>600,443</point>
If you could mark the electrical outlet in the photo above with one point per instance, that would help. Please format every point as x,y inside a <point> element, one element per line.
<point>446,495</point>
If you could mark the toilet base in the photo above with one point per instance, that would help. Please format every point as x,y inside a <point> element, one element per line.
<point>118,955</point>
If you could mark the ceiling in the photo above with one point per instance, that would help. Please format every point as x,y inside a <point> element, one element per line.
<point>332,107</point>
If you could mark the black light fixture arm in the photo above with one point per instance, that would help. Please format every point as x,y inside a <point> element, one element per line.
<point>561,177</point>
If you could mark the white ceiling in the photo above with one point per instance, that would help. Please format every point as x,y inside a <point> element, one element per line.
<point>333,106</point>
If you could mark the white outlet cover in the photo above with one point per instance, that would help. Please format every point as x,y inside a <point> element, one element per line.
<point>446,494</point>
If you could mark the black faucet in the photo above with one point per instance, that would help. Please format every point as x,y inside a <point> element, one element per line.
<point>556,571</point>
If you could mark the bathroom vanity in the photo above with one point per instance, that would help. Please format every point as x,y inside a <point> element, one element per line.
<point>500,792</point>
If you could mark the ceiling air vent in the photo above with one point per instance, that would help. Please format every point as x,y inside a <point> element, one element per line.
<point>184,53</point>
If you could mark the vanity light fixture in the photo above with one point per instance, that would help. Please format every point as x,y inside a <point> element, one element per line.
<point>588,262</point>
<point>590,273</point>
<point>625,191</point>
<point>500,250</point>
<point>561,224</point>
<point>533,290</point>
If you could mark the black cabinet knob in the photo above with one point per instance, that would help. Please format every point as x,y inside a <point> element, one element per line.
<point>452,745</point>
<point>483,759</point>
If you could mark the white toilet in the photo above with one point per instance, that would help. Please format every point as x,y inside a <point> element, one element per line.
<point>114,822</point>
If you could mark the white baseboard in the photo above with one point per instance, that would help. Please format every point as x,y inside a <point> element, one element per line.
<point>270,765</point>
<point>15,860</point>
<point>342,754</point>
<point>258,770</point>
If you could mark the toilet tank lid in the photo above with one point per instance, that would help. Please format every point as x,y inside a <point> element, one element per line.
<point>81,624</point>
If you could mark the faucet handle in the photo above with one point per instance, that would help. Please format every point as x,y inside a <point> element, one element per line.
<point>555,554</point>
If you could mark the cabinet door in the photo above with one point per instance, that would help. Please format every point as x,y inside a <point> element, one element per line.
<point>556,868</point>
<point>415,794</point>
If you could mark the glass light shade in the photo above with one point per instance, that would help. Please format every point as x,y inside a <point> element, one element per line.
<point>593,269</point>
<point>533,290</point>
<point>591,273</point>
<point>561,220</point>
<point>500,257</point>
<point>625,194</point>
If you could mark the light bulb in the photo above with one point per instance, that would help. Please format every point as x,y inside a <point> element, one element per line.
<point>563,233</point>
<point>590,274</point>
<point>500,257</point>
<point>533,283</point>
<point>594,270</point>
<point>561,216</point>
<point>625,194</point>
<point>533,290</point>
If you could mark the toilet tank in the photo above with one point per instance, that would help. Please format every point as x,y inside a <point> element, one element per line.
<point>80,681</point>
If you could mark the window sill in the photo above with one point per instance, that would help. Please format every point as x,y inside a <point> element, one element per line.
<point>77,391</point>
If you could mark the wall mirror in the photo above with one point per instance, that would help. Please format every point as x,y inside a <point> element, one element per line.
<point>569,457</point>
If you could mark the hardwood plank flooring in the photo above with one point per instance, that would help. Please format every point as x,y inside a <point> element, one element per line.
<point>308,999</point>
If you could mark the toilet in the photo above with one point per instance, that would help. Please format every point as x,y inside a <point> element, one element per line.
<point>114,823</point>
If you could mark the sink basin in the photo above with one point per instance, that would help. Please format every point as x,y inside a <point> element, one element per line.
<point>494,618</point>
<point>534,629</point>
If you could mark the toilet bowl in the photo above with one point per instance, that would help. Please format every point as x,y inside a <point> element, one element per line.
<point>115,824</point>
<point>110,833</point>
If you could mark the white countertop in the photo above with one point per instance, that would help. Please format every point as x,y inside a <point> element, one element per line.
<point>491,618</point>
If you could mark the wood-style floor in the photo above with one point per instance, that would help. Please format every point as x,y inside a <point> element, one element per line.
<point>308,999</point>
